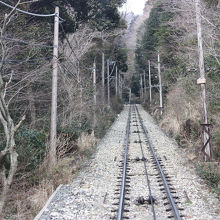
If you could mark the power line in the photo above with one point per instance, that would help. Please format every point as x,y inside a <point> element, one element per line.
<point>25,42</point>
<point>26,12</point>
<point>72,51</point>
<point>29,13</point>
<point>24,61</point>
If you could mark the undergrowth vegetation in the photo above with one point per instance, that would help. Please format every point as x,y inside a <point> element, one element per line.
<point>76,144</point>
<point>210,173</point>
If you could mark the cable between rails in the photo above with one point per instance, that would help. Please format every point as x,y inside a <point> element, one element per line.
<point>169,194</point>
<point>146,171</point>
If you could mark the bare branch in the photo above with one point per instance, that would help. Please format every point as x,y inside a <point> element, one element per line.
<point>7,83</point>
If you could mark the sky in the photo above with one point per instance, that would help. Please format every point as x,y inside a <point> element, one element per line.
<point>135,6</point>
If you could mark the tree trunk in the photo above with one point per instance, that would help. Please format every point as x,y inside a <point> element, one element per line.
<point>32,108</point>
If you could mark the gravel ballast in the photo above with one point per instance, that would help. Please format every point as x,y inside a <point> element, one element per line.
<point>92,193</point>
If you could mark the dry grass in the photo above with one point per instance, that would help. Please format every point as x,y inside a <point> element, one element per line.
<point>27,199</point>
<point>179,108</point>
<point>86,141</point>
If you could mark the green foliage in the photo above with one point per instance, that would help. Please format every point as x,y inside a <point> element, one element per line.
<point>209,173</point>
<point>213,68</point>
<point>212,3</point>
<point>105,120</point>
<point>135,85</point>
<point>75,128</point>
<point>100,14</point>
<point>216,138</point>
<point>31,147</point>
<point>177,69</point>
<point>156,34</point>
<point>116,104</point>
<point>121,57</point>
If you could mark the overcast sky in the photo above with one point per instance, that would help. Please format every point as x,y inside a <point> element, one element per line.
<point>136,6</point>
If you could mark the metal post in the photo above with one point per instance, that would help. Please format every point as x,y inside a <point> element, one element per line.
<point>160,84</point>
<point>53,131</point>
<point>108,82</point>
<point>150,81</point>
<point>202,81</point>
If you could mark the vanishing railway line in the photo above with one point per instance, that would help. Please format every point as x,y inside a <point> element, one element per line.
<point>136,173</point>
<point>159,197</point>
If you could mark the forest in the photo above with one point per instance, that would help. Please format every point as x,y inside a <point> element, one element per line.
<point>94,78</point>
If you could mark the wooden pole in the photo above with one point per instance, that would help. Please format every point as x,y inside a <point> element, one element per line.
<point>160,84</point>
<point>53,131</point>
<point>103,79</point>
<point>141,85</point>
<point>116,81</point>
<point>202,79</point>
<point>108,82</point>
<point>121,86</point>
<point>150,81</point>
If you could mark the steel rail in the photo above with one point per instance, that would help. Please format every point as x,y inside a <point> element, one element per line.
<point>147,175</point>
<point>170,197</point>
<point>123,185</point>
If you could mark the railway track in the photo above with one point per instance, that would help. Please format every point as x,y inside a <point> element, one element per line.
<point>142,168</point>
<point>124,181</point>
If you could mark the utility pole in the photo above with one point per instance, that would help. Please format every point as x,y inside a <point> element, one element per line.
<point>202,81</point>
<point>94,92</point>
<point>160,85</point>
<point>130,96</point>
<point>53,131</point>
<point>108,82</point>
<point>80,91</point>
<point>116,81</point>
<point>141,85</point>
<point>103,79</point>
<point>144,86</point>
<point>150,81</point>
<point>94,82</point>
<point>120,85</point>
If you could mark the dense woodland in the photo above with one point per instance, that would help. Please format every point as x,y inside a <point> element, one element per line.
<point>91,31</point>
<point>88,32</point>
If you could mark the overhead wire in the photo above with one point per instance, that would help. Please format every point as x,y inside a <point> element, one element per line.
<point>26,12</point>
<point>25,42</point>
<point>31,44</point>
<point>30,13</point>
<point>24,61</point>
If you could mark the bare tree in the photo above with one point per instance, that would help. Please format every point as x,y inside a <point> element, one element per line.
<point>10,129</point>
